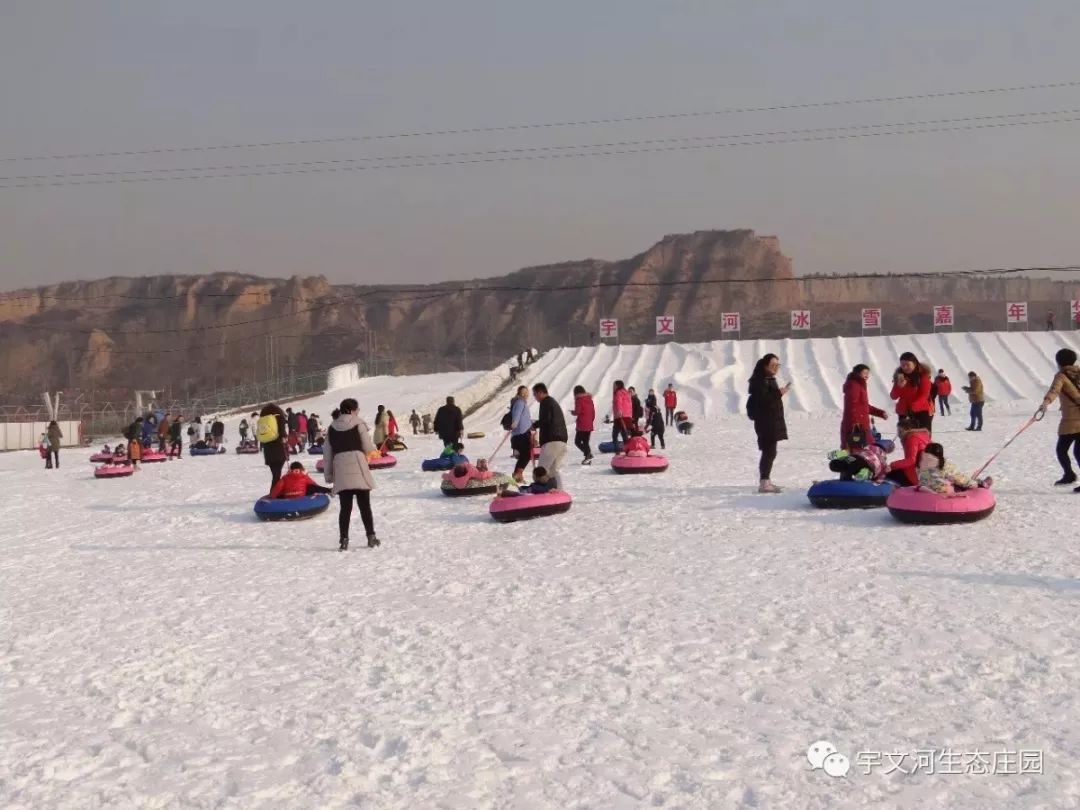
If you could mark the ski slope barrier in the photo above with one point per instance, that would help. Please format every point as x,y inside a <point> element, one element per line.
<point>711,378</point>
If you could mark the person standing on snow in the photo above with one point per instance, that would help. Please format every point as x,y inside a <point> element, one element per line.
<point>911,390</point>
<point>637,413</point>
<point>1066,385</point>
<point>855,424</point>
<point>651,404</point>
<point>622,408</point>
<point>944,391</point>
<point>347,447</point>
<point>272,431</point>
<point>391,424</point>
<point>765,406</point>
<point>176,437</point>
<point>313,428</point>
<point>585,414</point>
<point>380,434</point>
<point>977,398</point>
<point>302,428</point>
<point>553,436</point>
<point>449,423</point>
<point>163,430</point>
<point>671,401</point>
<point>414,422</point>
<point>520,432</point>
<point>55,437</point>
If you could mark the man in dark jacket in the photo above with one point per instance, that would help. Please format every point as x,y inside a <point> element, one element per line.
<point>292,420</point>
<point>638,412</point>
<point>553,436</point>
<point>176,437</point>
<point>449,423</point>
<point>313,428</point>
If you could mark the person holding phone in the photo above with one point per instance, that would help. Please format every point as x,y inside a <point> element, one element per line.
<point>765,407</point>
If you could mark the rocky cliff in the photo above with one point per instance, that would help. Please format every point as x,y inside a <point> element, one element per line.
<point>191,333</point>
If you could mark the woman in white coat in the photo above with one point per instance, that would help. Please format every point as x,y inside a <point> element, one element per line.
<point>348,443</point>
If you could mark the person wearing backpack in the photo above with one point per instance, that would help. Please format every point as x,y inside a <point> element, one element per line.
<point>765,406</point>
<point>1066,385</point>
<point>272,432</point>
<point>519,425</point>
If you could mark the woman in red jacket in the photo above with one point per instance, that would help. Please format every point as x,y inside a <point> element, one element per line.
<point>911,390</point>
<point>585,411</point>
<point>857,410</point>
<point>905,472</point>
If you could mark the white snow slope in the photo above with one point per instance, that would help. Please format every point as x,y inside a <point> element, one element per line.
<point>674,641</point>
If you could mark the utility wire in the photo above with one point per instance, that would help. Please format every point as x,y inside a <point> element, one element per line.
<point>938,94</point>
<point>607,152</point>
<point>346,162</point>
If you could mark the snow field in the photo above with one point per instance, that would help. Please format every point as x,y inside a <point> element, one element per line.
<point>674,641</point>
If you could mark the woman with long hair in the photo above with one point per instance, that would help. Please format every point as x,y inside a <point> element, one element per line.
<point>765,407</point>
<point>911,390</point>
<point>855,425</point>
<point>345,455</point>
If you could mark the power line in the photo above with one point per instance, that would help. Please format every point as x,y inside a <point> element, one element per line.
<point>345,162</point>
<point>905,131</point>
<point>937,94</point>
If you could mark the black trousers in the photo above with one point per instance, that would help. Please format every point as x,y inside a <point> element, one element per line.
<point>620,427</point>
<point>275,472</point>
<point>177,447</point>
<point>363,502</point>
<point>923,419</point>
<point>659,436</point>
<point>848,467</point>
<point>581,442</point>
<point>669,416</point>
<point>768,456</point>
<point>49,456</point>
<point>1063,445</point>
<point>522,445</point>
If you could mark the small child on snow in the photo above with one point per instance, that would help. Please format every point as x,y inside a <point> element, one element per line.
<point>636,445</point>
<point>865,464</point>
<point>296,483</point>
<point>656,425</point>
<point>938,475</point>
<point>541,483</point>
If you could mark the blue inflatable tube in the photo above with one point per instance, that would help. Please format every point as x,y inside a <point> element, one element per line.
<point>610,447</point>
<point>291,508</point>
<point>837,494</point>
<point>205,451</point>
<point>441,464</point>
<point>315,450</point>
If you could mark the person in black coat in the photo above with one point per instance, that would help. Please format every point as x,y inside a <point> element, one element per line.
<point>276,453</point>
<point>553,434</point>
<point>766,408</point>
<point>449,423</point>
<point>637,412</point>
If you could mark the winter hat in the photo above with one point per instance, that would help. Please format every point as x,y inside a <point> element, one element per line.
<point>1065,357</point>
<point>910,357</point>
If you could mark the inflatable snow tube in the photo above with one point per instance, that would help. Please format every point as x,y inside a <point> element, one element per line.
<point>320,466</point>
<point>887,445</point>
<point>247,449</point>
<point>291,508</point>
<point>205,451</point>
<point>837,494</point>
<point>153,456</point>
<point>920,506</point>
<point>395,446</point>
<point>639,464</point>
<point>610,447</point>
<point>315,450</point>
<point>463,487</point>
<point>524,507</point>
<point>114,471</point>
<point>103,458</point>
<point>381,463</point>
<point>441,464</point>
<point>476,434</point>
<point>685,428</point>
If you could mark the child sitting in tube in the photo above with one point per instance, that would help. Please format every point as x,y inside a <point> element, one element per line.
<point>941,477</point>
<point>541,483</point>
<point>296,483</point>
<point>637,446</point>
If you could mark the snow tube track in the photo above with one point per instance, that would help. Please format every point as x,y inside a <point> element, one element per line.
<point>711,377</point>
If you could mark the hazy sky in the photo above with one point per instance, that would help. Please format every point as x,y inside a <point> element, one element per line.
<point>78,77</point>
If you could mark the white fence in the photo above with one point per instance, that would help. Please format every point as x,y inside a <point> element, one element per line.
<point>26,435</point>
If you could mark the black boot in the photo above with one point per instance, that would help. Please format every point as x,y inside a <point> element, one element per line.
<point>1065,480</point>
<point>373,541</point>
<point>344,544</point>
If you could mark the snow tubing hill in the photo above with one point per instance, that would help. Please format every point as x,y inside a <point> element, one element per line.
<point>919,506</point>
<point>117,471</point>
<point>524,507</point>
<point>315,450</point>
<point>837,494</point>
<point>610,447</point>
<point>628,465</point>
<point>291,508</point>
<point>205,451</point>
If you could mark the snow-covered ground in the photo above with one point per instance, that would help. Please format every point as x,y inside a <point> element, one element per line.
<point>673,641</point>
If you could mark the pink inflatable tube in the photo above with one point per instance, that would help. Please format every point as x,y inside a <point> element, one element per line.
<point>920,506</point>
<point>102,458</point>
<point>152,456</point>
<point>114,471</point>
<point>639,464</point>
<point>383,463</point>
<point>523,507</point>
